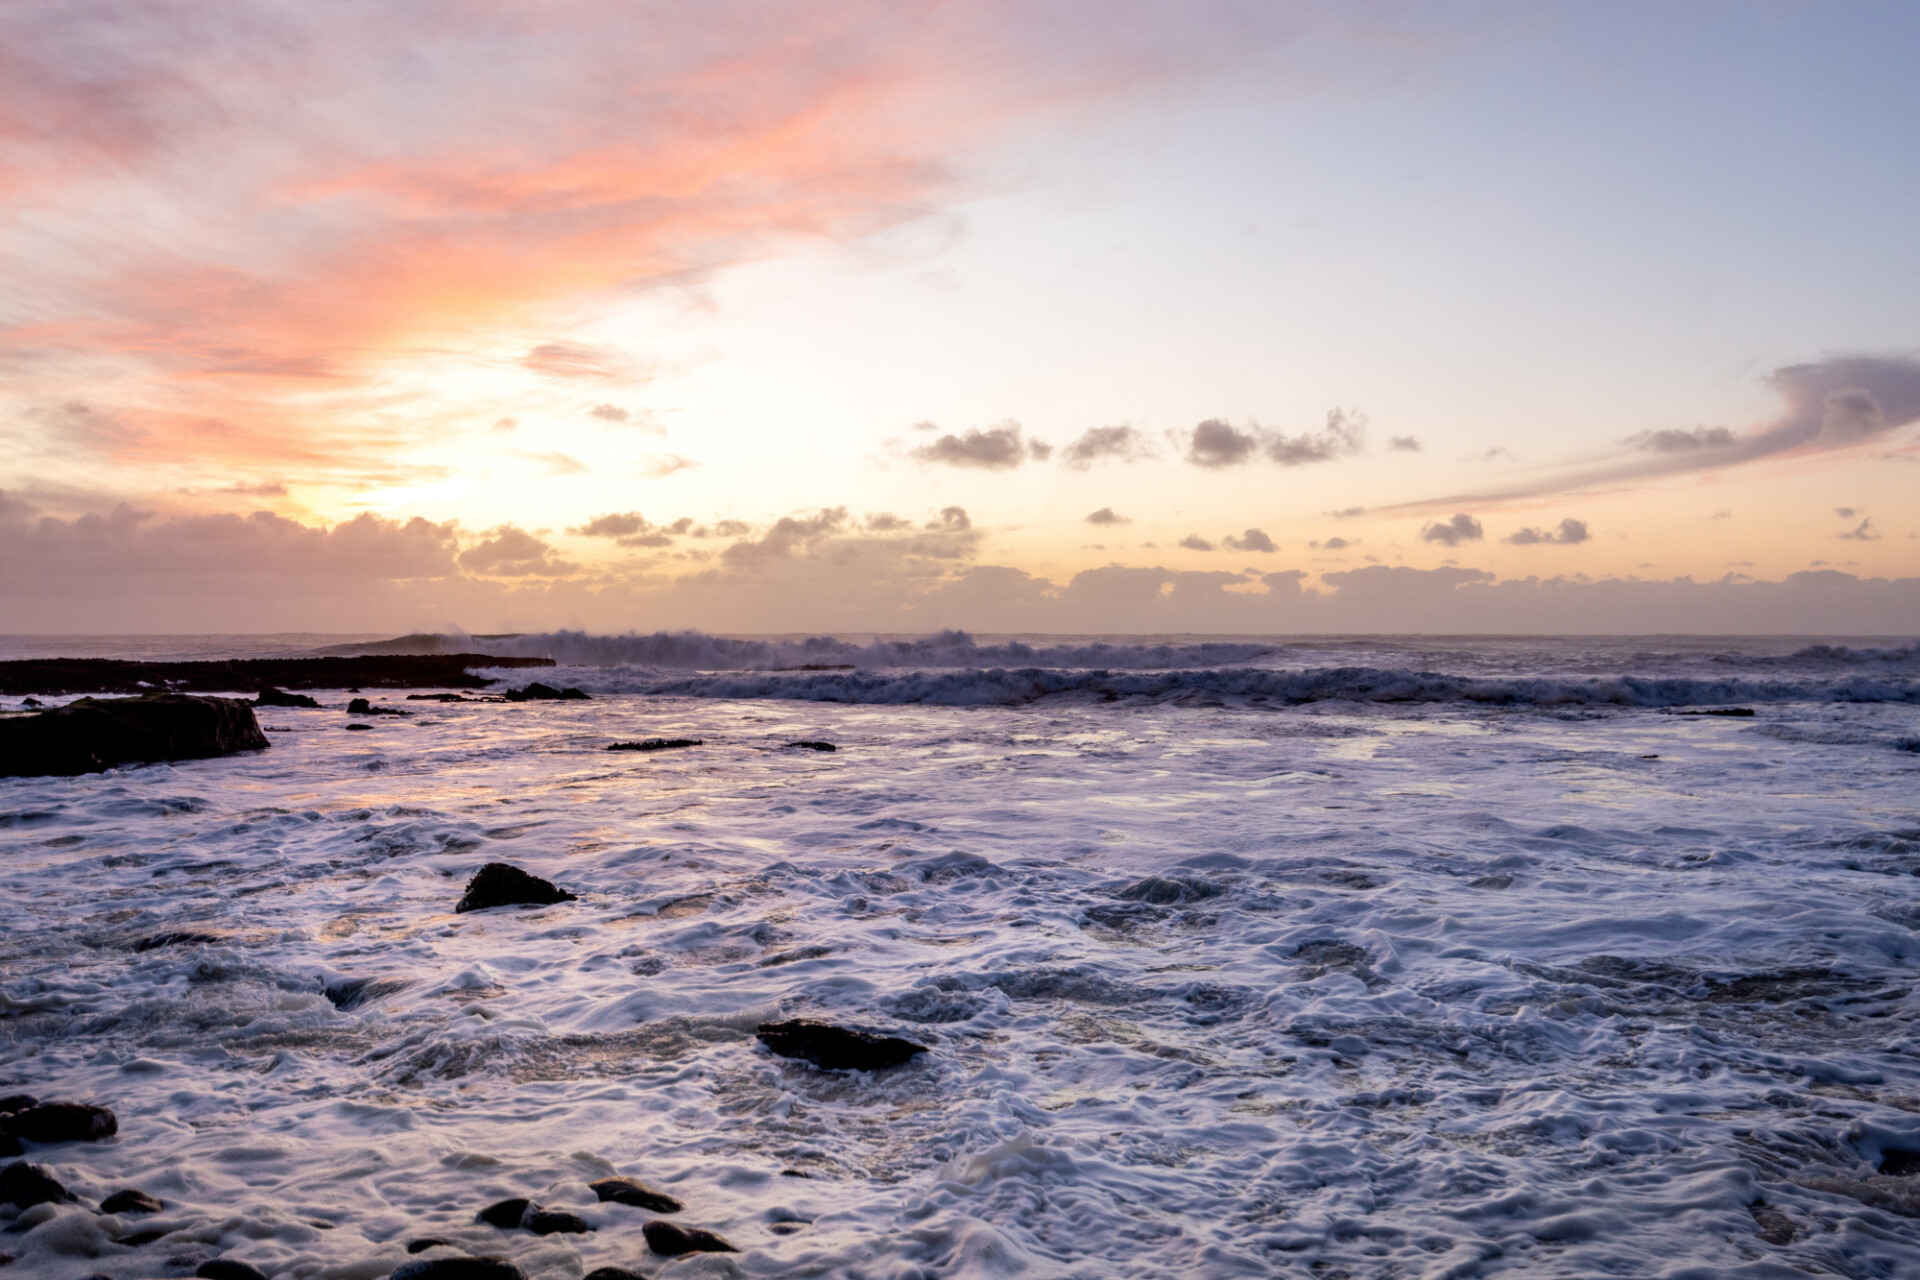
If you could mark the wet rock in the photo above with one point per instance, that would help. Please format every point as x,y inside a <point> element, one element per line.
<point>671,1240</point>
<point>637,1194</point>
<point>499,884</point>
<point>836,1048</point>
<point>613,1273</point>
<point>174,938</point>
<point>657,744</point>
<point>62,1122</point>
<point>91,735</point>
<point>272,697</point>
<point>1775,1227</point>
<point>130,1201</point>
<point>1164,891</point>
<point>555,1222</point>
<point>504,1214</point>
<point>26,1185</point>
<point>1498,880</point>
<point>485,1267</point>
<point>424,1243</point>
<point>811,746</point>
<point>359,728</point>
<point>138,1238</point>
<point>1738,712</point>
<point>361,707</point>
<point>17,1102</point>
<point>228,1269</point>
<point>351,993</point>
<point>537,692</point>
<point>10,1146</point>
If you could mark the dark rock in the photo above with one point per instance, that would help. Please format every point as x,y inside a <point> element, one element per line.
<point>671,1240</point>
<point>537,692</point>
<point>485,1267</point>
<point>130,1201</point>
<point>657,744</point>
<point>10,1145</point>
<point>555,1222</point>
<point>62,1122</point>
<point>228,1269</point>
<point>613,1273</point>
<point>637,1194</point>
<point>361,707</point>
<point>1164,891</point>
<point>17,1102</point>
<point>91,735</point>
<point>499,884</point>
<point>1897,1162</point>
<point>811,746</point>
<point>1738,712</point>
<point>28,1184</point>
<point>424,1243</point>
<point>358,728</point>
<point>174,938</point>
<point>272,697</point>
<point>351,993</point>
<point>138,1238</point>
<point>836,1048</point>
<point>504,1214</point>
<point>386,671</point>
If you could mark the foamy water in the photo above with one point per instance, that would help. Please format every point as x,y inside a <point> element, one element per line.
<point>1248,970</point>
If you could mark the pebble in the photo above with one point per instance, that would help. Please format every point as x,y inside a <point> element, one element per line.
<point>555,1222</point>
<point>637,1194</point>
<point>613,1273</point>
<point>62,1122</point>
<point>671,1240</point>
<point>485,1267</point>
<point>504,1214</point>
<point>130,1201</point>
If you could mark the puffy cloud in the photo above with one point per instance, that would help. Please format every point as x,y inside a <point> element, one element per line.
<point>1568,533</point>
<point>1194,542</point>
<point>1251,540</point>
<point>1105,515</point>
<point>1100,444</point>
<point>1215,443</point>
<point>619,524</point>
<point>788,535</point>
<point>998,448</point>
<point>609,413</point>
<point>1403,444</point>
<point>509,552</point>
<point>126,541</point>
<point>1462,528</point>
<point>953,519</point>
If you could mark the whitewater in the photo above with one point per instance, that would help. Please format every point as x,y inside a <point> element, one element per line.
<point>1332,958</point>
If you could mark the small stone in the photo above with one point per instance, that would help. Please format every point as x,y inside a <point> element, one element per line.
<point>63,1122</point>
<point>505,1214</point>
<point>28,1184</point>
<point>613,1273</point>
<point>130,1201</point>
<point>486,1267</point>
<point>836,1048</point>
<point>228,1269</point>
<point>671,1240</point>
<point>499,884</point>
<point>424,1243</point>
<point>138,1238</point>
<point>637,1194</point>
<point>555,1222</point>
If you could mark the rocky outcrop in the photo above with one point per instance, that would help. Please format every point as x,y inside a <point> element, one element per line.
<point>637,1194</point>
<point>500,884</point>
<point>112,675</point>
<point>95,734</point>
<point>537,692</point>
<point>272,697</point>
<point>26,1185</point>
<point>836,1048</point>
<point>46,1122</point>
<point>361,707</point>
<point>671,1240</point>
<point>811,746</point>
<point>655,744</point>
<point>504,1214</point>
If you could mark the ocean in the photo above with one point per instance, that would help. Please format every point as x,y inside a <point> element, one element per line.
<point>1330,957</point>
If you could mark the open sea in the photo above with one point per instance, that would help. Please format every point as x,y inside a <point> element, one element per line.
<point>1350,957</point>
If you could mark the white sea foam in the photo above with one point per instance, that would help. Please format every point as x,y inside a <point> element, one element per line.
<point>1461,983</point>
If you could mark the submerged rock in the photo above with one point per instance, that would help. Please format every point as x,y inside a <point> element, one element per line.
<point>811,746</point>
<point>424,1243</point>
<point>555,1222</point>
<point>637,1194</point>
<point>26,1185</point>
<point>92,734</point>
<point>130,1201</point>
<point>671,1240</point>
<point>656,744</point>
<point>62,1122</point>
<point>485,1267</point>
<point>361,707</point>
<point>537,692</point>
<point>138,1238</point>
<point>504,1214</point>
<point>836,1048</point>
<point>174,938</point>
<point>17,1102</point>
<point>272,697</point>
<point>613,1273</point>
<point>351,993</point>
<point>1164,891</point>
<point>228,1269</point>
<point>500,884</point>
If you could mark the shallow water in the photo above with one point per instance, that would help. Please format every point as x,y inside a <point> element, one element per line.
<point>1213,988</point>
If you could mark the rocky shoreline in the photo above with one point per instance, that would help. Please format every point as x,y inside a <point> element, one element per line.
<point>54,676</point>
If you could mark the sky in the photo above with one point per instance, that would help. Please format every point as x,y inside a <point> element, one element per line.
<point>1054,316</point>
